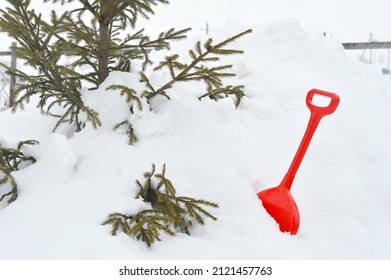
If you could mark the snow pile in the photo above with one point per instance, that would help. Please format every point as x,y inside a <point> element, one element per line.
<point>215,152</point>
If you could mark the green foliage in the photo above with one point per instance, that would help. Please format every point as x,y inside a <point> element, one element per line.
<point>168,214</point>
<point>145,226</point>
<point>197,69</point>
<point>69,53</point>
<point>219,93</point>
<point>124,11</point>
<point>129,131</point>
<point>130,94</point>
<point>10,160</point>
<point>57,85</point>
<point>59,48</point>
<point>132,98</point>
<point>103,44</point>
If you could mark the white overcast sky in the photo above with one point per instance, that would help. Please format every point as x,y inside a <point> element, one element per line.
<point>346,20</point>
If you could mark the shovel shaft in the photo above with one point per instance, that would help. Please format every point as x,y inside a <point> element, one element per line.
<point>317,113</point>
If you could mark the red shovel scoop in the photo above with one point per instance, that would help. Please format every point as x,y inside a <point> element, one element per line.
<point>278,201</point>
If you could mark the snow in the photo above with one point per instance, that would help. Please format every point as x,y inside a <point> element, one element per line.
<point>216,152</point>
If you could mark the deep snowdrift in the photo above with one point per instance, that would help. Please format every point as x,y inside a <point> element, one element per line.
<point>215,152</point>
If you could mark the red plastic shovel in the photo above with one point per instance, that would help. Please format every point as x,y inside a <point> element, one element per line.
<point>278,201</point>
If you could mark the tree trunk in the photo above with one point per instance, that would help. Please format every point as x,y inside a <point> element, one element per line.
<point>103,59</point>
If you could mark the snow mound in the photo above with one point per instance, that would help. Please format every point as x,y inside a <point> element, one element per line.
<point>219,153</point>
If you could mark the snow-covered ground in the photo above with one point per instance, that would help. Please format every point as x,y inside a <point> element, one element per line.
<point>219,153</point>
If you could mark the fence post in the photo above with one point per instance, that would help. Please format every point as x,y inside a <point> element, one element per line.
<point>13,77</point>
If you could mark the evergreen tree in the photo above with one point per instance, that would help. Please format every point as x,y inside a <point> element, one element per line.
<point>41,47</point>
<point>99,36</point>
<point>100,44</point>
<point>103,44</point>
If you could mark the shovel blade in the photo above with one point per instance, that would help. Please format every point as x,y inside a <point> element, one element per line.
<point>279,203</point>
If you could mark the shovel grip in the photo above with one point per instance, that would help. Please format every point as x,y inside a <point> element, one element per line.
<point>320,110</point>
<point>317,112</point>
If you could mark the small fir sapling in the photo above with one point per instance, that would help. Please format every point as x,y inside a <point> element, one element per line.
<point>80,47</point>
<point>96,36</point>
<point>168,212</point>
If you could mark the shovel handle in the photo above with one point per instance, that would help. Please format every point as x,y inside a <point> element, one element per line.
<point>320,110</point>
<point>317,113</point>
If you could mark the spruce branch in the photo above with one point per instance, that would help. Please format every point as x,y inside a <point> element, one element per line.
<point>197,69</point>
<point>148,224</point>
<point>129,131</point>
<point>169,213</point>
<point>164,183</point>
<point>118,221</point>
<point>195,208</point>
<point>145,226</point>
<point>219,93</point>
<point>130,94</point>
<point>10,160</point>
<point>11,193</point>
